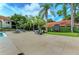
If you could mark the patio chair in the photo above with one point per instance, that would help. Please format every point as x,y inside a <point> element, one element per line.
<point>36,31</point>
<point>17,31</point>
<point>40,32</point>
<point>23,30</point>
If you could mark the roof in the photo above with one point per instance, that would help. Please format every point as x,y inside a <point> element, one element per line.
<point>4,18</point>
<point>52,24</point>
<point>61,23</point>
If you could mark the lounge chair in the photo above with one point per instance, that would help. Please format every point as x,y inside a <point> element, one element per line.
<point>17,31</point>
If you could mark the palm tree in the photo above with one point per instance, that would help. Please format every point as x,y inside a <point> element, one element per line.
<point>44,12</point>
<point>74,14</point>
<point>63,11</point>
<point>23,22</point>
<point>39,22</point>
<point>76,11</point>
<point>29,23</point>
<point>34,22</point>
<point>72,17</point>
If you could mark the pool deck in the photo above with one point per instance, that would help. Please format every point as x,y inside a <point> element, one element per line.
<point>32,44</point>
<point>7,47</point>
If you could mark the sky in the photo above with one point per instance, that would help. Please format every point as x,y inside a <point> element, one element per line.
<point>8,9</point>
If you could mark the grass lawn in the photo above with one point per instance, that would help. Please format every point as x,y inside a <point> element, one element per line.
<point>64,34</point>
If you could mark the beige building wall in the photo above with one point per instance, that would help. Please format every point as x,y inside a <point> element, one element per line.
<point>5,24</point>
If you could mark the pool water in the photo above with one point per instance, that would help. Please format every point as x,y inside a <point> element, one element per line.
<point>2,34</point>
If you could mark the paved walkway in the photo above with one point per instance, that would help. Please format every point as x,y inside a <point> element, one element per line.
<point>30,43</point>
<point>7,47</point>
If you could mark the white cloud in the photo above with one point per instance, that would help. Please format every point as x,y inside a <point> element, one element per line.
<point>12,8</point>
<point>2,5</point>
<point>32,9</point>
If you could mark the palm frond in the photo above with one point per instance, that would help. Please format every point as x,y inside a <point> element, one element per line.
<point>52,12</point>
<point>57,4</point>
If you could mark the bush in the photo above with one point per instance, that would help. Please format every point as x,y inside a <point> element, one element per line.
<point>76,29</point>
<point>7,29</point>
<point>65,29</point>
<point>50,30</point>
<point>62,29</point>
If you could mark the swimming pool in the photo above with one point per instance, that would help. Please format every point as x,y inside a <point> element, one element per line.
<point>2,34</point>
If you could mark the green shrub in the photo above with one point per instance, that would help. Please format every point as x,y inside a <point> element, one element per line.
<point>76,29</point>
<point>62,29</point>
<point>65,29</point>
<point>50,29</point>
<point>7,29</point>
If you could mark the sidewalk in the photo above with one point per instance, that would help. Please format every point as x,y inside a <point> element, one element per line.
<point>7,47</point>
<point>30,43</point>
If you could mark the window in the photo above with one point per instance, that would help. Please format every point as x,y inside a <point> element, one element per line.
<point>8,22</point>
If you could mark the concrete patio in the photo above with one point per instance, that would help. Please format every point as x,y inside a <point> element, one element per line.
<point>32,44</point>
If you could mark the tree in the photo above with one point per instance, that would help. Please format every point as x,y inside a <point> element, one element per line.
<point>63,11</point>
<point>59,12</point>
<point>29,23</point>
<point>50,20</point>
<point>39,22</point>
<point>44,12</point>
<point>15,19</point>
<point>72,17</point>
<point>77,17</point>
<point>23,22</point>
<point>68,17</point>
<point>20,20</point>
<point>76,12</point>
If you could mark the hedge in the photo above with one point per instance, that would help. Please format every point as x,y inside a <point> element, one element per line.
<point>64,29</point>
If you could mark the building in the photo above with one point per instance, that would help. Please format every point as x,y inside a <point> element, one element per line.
<point>5,22</point>
<point>61,23</point>
<point>57,25</point>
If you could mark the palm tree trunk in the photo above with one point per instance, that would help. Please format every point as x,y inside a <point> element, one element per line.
<point>75,5</point>
<point>72,18</point>
<point>33,27</point>
<point>46,22</point>
<point>46,27</point>
<point>64,10</point>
